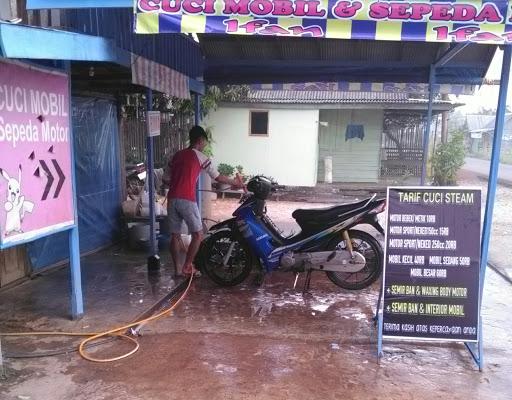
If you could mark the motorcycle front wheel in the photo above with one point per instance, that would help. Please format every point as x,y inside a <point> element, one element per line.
<point>371,249</point>
<point>225,260</point>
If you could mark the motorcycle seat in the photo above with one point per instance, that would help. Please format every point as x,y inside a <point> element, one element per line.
<point>316,215</point>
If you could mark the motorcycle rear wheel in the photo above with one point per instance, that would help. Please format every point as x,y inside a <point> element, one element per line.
<point>371,249</point>
<point>238,266</point>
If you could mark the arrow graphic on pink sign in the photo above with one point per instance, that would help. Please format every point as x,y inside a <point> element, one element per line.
<point>51,179</point>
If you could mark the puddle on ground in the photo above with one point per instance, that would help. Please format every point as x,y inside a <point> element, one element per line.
<point>264,302</point>
<point>149,287</point>
<point>225,369</point>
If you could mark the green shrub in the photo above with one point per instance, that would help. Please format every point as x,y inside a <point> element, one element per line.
<point>448,158</point>
<point>226,169</point>
<point>208,150</point>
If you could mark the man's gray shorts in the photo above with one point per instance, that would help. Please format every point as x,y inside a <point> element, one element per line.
<point>179,211</point>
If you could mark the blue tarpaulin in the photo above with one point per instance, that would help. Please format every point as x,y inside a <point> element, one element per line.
<point>98,184</point>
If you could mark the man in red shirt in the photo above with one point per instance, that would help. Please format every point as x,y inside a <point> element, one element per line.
<point>185,167</point>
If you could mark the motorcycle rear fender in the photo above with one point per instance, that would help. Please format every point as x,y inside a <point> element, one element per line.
<point>371,219</point>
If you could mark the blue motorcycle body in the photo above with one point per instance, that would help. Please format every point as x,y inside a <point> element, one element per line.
<point>319,226</point>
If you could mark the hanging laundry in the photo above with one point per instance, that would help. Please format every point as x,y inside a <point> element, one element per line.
<point>354,131</point>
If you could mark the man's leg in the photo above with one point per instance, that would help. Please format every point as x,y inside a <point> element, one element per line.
<point>175,227</point>
<point>193,248</point>
<point>190,213</point>
<point>175,247</point>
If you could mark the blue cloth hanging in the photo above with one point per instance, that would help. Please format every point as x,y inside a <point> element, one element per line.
<point>354,131</point>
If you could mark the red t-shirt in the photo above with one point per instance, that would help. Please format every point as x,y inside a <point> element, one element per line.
<point>184,170</point>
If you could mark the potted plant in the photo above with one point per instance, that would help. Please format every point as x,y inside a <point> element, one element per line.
<point>240,171</point>
<point>226,170</point>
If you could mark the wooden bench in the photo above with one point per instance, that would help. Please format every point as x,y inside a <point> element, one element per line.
<point>232,192</point>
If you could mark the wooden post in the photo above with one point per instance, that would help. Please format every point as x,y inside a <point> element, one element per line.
<point>444,123</point>
<point>426,135</point>
<point>2,369</point>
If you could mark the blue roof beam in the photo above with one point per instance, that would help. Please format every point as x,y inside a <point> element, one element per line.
<point>450,53</point>
<point>462,76</point>
<point>63,4</point>
<point>19,41</point>
<point>196,86</point>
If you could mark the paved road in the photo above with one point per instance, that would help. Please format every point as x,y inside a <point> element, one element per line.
<point>481,168</point>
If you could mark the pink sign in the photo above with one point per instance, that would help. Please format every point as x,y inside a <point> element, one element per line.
<point>36,196</point>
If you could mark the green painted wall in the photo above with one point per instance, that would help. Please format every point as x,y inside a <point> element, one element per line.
<point>353,160</point>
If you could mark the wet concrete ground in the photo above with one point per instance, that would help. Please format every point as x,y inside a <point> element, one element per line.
<point>115,283</point>
<point>245,342</point>
<point>271,343</point>
<point>500,251</point>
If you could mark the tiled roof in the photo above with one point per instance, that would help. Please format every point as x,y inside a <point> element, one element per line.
<point>330,97</point>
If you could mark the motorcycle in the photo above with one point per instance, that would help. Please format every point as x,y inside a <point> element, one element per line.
<point>135,179</point>
<point>328,242</point>
<point>136,176</point>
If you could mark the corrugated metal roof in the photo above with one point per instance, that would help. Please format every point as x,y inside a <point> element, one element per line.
<point>268,47</point>
<point>262,59</point>
<point>479,122</point>
<point>330,97</point>
<point>507,128</point>
<point>176,51</point>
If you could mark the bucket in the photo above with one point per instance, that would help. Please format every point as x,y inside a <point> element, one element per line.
<point>138,236</point>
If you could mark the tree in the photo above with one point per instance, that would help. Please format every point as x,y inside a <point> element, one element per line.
<point>448,158</point>
<point>134,105</point>
<point>213,96</point>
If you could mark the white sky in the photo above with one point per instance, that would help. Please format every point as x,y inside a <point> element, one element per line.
<point>486,96</point>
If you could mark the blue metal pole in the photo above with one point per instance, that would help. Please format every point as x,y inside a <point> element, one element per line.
<point>197,109</point>
<point>151,182</point>
<point>197,121</point>
<point>379,337</point>
<point>426,135</point>
<point>493,177</point>
<point>77,302</point>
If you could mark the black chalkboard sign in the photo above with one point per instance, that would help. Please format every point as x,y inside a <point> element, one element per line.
<point>432,264</point>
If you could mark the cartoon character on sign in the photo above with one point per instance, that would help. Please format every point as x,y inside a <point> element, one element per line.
<point>15,204</point>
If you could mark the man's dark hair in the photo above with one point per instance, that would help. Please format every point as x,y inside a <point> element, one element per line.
<point>195,134</point>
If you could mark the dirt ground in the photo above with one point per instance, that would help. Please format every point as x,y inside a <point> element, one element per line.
<point>247,342</point>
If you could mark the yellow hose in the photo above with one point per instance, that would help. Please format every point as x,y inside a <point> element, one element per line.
<point>91,336</point>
